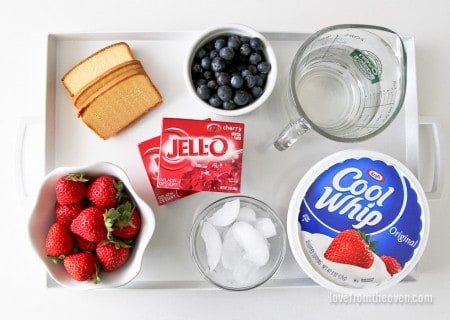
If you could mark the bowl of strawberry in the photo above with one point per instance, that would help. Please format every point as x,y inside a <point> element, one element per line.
<point>89,227</point>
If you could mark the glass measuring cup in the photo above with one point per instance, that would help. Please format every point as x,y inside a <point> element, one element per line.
<point>347,82</point>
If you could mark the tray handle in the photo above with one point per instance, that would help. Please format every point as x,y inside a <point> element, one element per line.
<point>29,164</point>
<point>431,157</point>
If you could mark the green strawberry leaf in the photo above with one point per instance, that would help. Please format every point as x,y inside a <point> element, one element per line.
<point>120,217</point>
<point>96,278</point>
<point>58,259</point>
<point>372,244</point>
<point>79,177</point>
<point>121,191</point>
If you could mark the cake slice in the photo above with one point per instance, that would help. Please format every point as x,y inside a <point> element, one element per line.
<point>95,65</point>
<point>95,88</point>
<point>123,103</point>
<point>110,90</point>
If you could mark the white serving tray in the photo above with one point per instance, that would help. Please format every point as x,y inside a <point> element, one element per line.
<point>268,174</point>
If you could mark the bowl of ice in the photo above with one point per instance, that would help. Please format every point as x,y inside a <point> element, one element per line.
<point>237,242</point>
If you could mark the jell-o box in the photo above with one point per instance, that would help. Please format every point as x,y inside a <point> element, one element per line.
<point>201,155</point>
<point>149,151</point>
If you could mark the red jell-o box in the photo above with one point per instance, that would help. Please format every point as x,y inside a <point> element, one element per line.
<point>149,151</point>
<point>201,155</point>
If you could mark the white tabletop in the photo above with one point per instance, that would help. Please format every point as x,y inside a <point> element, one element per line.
<point>25,26</point>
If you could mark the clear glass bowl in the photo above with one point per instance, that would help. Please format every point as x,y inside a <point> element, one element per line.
<point>223,277</point>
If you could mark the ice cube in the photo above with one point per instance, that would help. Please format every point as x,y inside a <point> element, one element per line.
<point>254,244</point>
<point>244,272</point>
<point>266,227</point>
<point>213,244</point>
<point>232,252</point>
<point>226,215</point>
<point>246,214</point>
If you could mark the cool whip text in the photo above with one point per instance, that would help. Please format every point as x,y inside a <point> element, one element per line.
<point>357,199</point>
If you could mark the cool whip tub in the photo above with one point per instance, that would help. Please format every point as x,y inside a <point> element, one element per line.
<point>358,222</point>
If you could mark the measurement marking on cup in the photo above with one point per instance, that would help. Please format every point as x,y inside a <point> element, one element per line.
<point>331,44</point>
<point>385,104</point>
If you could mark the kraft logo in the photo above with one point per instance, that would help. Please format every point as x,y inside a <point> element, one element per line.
<point>375,175</point>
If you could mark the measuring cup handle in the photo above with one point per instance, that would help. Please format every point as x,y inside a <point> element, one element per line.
<point>291,133</point>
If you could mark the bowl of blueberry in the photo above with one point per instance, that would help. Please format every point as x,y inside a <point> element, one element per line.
<point>231,69</point>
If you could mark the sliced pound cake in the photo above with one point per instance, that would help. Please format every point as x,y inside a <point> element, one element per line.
<point>110,90</point>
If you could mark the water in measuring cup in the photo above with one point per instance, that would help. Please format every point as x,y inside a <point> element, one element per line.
<point>333,92</point>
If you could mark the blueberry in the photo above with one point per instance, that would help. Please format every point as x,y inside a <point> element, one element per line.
<point>241,97</point>
<point>245,73</point>
<point>219,43</point>
<point>234,42</point>
<point>244,39</point>
<point>196,68</point>
<point>259,80</point>
<point>237,81</point>
<point>229,105</point>
<point>203,92</point>
<point>212,84</point>
<point>250,98</point>
<point>252,68</point>
<point>256,44</point>
<point>250,81</point>
<point>264,67</point>
<point>200,81</point>
<point>257,92</point>
<point>205,63</point>
<point>245,49</point>
<point>218,64</point>
<point>208,75</point>
<point>263,76</point>
<point>224,93</point>
<point>255,58</point>
<point>223,78</point>
<point>201,53</point>
<point>227,53</point>
<point>215,101</point>
<point>213,54</point>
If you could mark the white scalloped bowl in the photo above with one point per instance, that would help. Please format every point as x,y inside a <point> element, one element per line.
<point>229,29</point>
<point>42,217</point>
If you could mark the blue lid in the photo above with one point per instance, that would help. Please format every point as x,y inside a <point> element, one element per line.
<point>358,220</point>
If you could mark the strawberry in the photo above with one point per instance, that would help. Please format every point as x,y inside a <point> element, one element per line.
<point>123,222</point>
<point>392,265</point>
<point>59,242</point>
<point>90,225</point>
<point>65,213</point>
<point>85,245</point>
<point>112,257</point>
<point>351,247</point>
<point>71,188</point>
<point>82,266</point>
<point>105,191</point>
